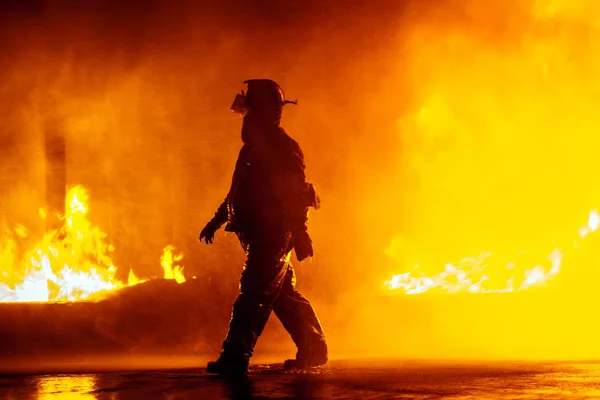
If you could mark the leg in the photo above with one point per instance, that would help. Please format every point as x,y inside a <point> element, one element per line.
<point>252,308</point>
<point>260,285</point>
<point>300,320</point>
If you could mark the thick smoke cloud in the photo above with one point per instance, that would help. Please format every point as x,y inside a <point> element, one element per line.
<point>436,123</point>
<point>141,91</point>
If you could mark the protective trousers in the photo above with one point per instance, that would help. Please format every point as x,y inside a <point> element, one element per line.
<point>268,284</point>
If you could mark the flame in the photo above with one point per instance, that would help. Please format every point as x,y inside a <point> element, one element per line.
<point>69,263</point>
<point>133,280</point>
<point>167,261</point>
<point>498,146</point>
<point>483,274</point>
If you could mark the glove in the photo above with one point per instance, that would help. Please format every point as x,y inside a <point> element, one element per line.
<point>208,233</point>
<point>303,246</point>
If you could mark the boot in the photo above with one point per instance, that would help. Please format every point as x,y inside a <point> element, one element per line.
<point>305,362</point>
<point>226,367</point>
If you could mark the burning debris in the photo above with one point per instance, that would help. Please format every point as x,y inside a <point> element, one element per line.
<point>70,263</point>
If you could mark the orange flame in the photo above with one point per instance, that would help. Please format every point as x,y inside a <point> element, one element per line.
<point>167,260</point>
<point>498,144</point>
<point>69,263</point>
<point>485,275</point>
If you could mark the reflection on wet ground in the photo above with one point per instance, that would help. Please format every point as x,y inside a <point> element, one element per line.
<point>360,380</point>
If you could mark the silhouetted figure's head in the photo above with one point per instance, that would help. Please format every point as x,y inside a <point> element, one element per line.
<point>261,105</point>
<point>265,100</point>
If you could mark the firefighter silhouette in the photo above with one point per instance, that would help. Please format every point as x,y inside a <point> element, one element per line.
<point>267,208</point>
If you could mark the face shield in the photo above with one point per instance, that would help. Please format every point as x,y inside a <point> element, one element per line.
<point>239,104</point>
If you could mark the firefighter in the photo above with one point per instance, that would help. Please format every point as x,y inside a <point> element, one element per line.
<point>267,208</point>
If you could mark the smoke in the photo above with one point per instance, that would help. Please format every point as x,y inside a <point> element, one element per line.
<point>435,129</point>
<point>141,92</point>
<point>498,142</point>
<point>498,154</point>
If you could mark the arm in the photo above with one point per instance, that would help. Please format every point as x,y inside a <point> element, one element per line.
<point>221,215</point>
<point>302,197</point>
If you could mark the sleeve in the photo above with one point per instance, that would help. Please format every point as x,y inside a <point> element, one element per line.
<point>302,194</point>
<point>221,215</point>
<point>303,190</point>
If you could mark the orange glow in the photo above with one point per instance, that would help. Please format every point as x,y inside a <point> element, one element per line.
<point>455,148</point>
<point>72,262</point>
<point>485,274</point>
<point>66,387</point>
<point>501,141</point>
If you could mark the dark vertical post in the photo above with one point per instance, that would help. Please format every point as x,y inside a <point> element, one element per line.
<point>174,178</point>
<point>56,160</point>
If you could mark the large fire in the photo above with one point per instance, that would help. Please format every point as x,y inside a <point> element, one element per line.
<point>69,263</point>
<point>501,145</point>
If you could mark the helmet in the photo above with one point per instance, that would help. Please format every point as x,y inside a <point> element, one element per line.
<point>261,94</point>
<point>264,93</point>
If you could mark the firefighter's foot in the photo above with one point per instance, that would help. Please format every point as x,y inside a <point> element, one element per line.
<point>227,368</point>
<point>305,363</point>
<point>310,356</point>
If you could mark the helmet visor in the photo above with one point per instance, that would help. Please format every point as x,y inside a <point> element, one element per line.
<point>239,104</point>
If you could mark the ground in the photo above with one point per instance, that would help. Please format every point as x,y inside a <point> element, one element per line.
<point>340,380</point>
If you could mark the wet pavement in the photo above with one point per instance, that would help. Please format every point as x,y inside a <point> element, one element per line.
<point>340,380</point>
